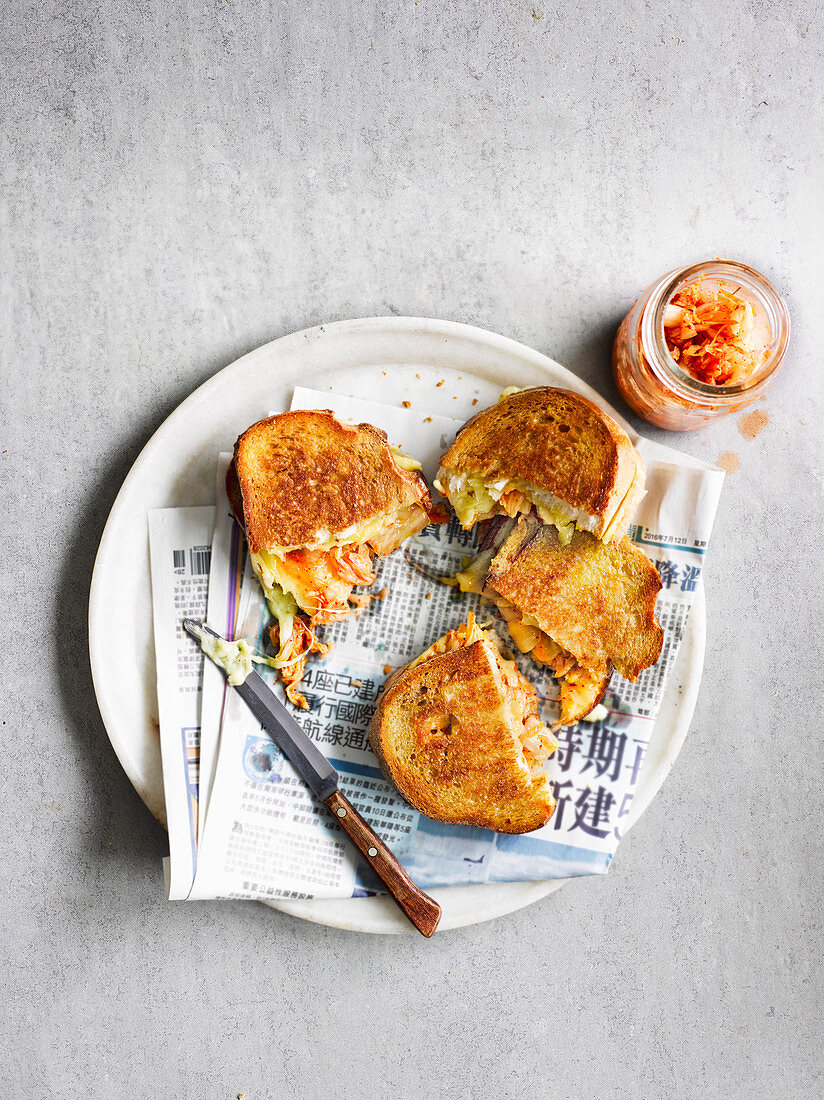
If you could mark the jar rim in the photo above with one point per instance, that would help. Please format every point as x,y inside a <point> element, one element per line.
<point>655,346</point>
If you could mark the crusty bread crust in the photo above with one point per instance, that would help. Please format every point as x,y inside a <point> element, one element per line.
<point>442,734</point>
<point>303,472</point>
<point>234,494</point>
<point>629,506</point>
<point>559,442</point>
<point>595,599</point>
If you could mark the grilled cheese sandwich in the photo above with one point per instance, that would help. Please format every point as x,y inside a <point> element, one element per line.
<point>579,609</point>
<point>546,452</point>
<point>458,732</point>
<point>580,689</point>
<point>520,697</point>
<point>318,499</point>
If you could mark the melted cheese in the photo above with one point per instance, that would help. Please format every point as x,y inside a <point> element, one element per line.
<point>474,498</point>
<point>235,658</point>
<point>472,578</point>
<point>285,573</point>
<point>468,496</point>
<point>597,714</point>
<point>405,461</point>
<point>406,521</point>
<point>283,605</point>
<point>403,522</point>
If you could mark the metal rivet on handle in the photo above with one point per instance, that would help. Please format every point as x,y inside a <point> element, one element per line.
<point>341,812</point>
<point>372,852</point>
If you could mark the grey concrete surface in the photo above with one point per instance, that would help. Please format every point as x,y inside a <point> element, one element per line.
<point>184,181</point>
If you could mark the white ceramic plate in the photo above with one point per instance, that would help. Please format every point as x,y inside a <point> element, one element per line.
<point>384,359</point>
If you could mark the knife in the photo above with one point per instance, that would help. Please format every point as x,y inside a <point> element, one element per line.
<point>318,774</point>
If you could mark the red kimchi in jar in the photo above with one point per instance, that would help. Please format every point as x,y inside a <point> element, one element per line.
<point>701,342</point>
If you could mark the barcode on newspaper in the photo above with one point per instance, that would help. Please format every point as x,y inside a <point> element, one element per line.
<point>179,557</point>
<point>199,560</point>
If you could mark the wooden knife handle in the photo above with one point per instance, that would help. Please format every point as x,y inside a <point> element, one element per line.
<point>422,910</point>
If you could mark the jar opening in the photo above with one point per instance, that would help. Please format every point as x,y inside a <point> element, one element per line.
<point>747,284</point>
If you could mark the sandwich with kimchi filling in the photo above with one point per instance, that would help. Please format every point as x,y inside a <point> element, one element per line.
<point>319,500</point>
<point>580,609</point>
<point>457,731</point>
<point>546,452</point>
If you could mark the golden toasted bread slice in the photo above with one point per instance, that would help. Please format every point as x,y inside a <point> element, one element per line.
<point>318,500</point>
<point>550,450</point>
<point>580,689</point>
<point>594,600</point>
<point>457,731</point>
<point>307,481</point>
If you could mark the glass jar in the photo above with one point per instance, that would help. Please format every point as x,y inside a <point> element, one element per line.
<point>650,380</point>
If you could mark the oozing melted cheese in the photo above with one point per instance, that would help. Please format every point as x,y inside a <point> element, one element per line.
<point>472,578</point>
<point>235,658</point>
<point>579,686</point>
<point>385,531</point>
<point>281,604</point>
<point>304,576</point>
<point>474,499</point>
<point>405,461</point>
<point>401,522</point>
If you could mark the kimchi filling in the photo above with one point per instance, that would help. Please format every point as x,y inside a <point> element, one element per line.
<point>293,648</point>
<point>711,333</point>
<point>537,744</point>
<point>580,687</point>
<point>311,586</point>
<point>464,635</point>
<point>322,580</point>
<point>321,583</point>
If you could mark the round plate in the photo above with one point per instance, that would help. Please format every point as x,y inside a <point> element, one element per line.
<point>438,365</point>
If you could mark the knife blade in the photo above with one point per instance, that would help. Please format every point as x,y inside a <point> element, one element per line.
<point>322,778</point>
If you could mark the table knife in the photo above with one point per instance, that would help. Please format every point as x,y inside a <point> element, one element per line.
<point>319,775</point>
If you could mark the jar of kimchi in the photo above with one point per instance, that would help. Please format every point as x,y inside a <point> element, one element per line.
<point>701,342</point>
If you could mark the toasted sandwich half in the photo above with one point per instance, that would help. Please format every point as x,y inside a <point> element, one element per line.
<point>549,452</point>
<point>458,733</point>
<point>580,609</point>
<point>318,500</point>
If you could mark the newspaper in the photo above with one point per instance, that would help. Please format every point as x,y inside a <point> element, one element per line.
<point>258,831</point>
<point>180,549</point>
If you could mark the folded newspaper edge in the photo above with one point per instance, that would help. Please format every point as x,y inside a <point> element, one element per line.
<point>241,822</point>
